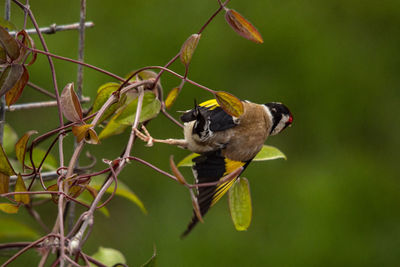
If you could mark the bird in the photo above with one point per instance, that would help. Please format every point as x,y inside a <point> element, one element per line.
<point>224,144</point>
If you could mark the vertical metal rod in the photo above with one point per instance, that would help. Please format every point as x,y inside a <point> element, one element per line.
<point>81,47</point>
<point>79,86</point>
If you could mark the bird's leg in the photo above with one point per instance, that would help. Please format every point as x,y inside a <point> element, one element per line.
<point>146,137</point>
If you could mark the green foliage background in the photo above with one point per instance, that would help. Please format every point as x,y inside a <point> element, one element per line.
<point>335,63</point>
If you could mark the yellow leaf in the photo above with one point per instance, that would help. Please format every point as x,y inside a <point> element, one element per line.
<point>4,183</point>
<point>188,48</point>
<point>172,95</point>
<point>230,103</point>
<point>20,187</point>
<point>20,147</point>
<point>8,208</point>
<point>85,132</point>
<point>5,166</point>
<point>242,26</point>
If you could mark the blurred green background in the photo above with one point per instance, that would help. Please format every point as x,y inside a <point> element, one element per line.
<point>334,63</point>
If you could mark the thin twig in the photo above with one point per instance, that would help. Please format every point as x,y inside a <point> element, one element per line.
<point>36,216</point>
<point>40,89</point>
<point>94,261</point>
<point>31,245</point>
<point>77,62</point>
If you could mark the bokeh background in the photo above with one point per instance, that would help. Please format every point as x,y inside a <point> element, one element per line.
<point>335,63</point>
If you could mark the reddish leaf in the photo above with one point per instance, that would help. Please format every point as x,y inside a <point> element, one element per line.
<point>230,103</point>
<point>28,42</point>
<point>196,207</point>
<point>4,183</point>
<point>188,48</point>
<point>3,55</point>
<point>9,44</point>
<point>176,172</point>
<point>9,208</point>
<point>20,187</point>
<point>70,104</point>
<point>242,26</point>
<point>5,166</point>
<point>20,147</point>
<point>16,91</point>
<point>172,95</point>
<point>10,76</point>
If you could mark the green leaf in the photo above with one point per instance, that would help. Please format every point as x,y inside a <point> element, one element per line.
<point>112,128</point>
<point>9,208</point>
<point>266,153</point>
<point>10,228</point>
<point>150,108</point>
<point>269,153</point>
<point>50,163</point>
<point>103,94</point>
<point>9,139</point>
<point>108,256</point>
<point>240,204</point>
<point>126,115</point>
<point>152,261</point>
<point>122,190</point>
<point>5,166</point>
<point>187,161</point>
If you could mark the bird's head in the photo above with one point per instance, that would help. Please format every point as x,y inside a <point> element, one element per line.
<point>280,115</point>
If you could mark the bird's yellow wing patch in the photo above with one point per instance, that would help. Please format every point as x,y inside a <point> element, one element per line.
<point>210,104</point>
<point>230,166</point>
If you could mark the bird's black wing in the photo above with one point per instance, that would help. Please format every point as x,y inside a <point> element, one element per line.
<point>209,116</point>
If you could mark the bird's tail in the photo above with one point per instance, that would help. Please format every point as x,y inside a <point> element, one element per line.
<point>211,167</point>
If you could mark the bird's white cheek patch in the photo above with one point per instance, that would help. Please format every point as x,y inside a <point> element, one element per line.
<point>281,124</point>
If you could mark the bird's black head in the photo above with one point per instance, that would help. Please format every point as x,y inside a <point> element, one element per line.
<point>281,117</point>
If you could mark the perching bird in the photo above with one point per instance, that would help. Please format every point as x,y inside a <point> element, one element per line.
<point>225,143</point>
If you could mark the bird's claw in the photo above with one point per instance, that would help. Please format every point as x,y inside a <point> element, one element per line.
<point>145,137</point>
